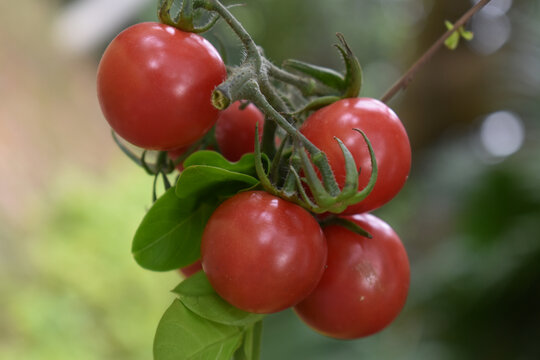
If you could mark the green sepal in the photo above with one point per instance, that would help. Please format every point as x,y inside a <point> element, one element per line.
<point>362,194</point>
<point>347,224</point>
<point>353,74</point>
<point>328,77</point>
<point>184,19</point>
<point>318,103</point>
<point>197,294</point>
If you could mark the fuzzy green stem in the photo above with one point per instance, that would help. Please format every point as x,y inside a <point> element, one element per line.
<point>308,87</point>
<point>251,92</point>
<point>235,25</point>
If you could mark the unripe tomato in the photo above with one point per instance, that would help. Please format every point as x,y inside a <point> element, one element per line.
<point>235,130</point>
<point>386,134</point>
<point>154,86</point>
<point>365,284</point>
<point>261,253</point>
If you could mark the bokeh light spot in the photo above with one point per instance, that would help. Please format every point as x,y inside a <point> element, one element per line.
<point>502,133</point>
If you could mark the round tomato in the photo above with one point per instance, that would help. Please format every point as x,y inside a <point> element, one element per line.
<point>235,130</point>
<point>261,253</point>
<point>386,134</point>
<point>365,284</point>
<point>154,85</point>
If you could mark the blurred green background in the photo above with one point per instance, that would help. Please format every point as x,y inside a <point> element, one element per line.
<point>469,214</point>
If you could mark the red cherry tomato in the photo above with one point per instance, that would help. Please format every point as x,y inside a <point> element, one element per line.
<point>235,130</point>
<point>365,284</point>
<point>154,86</point>
<point>386,134</point>
<point>189,270</point>
<point>261,253</point>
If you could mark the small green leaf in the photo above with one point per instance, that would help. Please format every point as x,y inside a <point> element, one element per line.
<point>453,40</point>
<point>169,235</point>
<point>467,35</point>
<point>211,183</point>
<point>197,295</point>
<point>246,164</point>
<point>182,335</point>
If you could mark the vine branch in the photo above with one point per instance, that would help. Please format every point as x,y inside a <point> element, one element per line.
<point>406,79</point>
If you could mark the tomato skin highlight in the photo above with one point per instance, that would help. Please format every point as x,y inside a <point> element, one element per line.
<point>261,253</point>
<point>365,284</point>
<point>235,130</point>
<point>386,134</point>
<point>154,86</point>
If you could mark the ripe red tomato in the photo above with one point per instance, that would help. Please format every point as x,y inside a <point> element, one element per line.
<point>386,134</point>
<point>235,130</point>
<point>261,253</point>
<point>154,85</point>
<point>189,270</point>
<point>365,284</point>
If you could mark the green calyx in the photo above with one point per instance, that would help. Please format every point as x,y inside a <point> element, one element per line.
<point>298,164</point>
<point>185,17</point>
<point>344,86</point>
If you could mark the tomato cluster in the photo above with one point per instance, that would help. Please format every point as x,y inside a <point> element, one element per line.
<point>262,253</point>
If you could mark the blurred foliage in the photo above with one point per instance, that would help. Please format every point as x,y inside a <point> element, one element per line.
<point>471,224</point>
<point>70,288</point>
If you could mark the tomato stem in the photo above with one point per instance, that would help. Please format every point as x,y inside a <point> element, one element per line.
<point>234,24</point>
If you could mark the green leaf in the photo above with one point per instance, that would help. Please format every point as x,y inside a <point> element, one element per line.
<point>197,294</point>
<point>453,40</point>
<point>169,235</point>
<point>246,164</point>
<point>251,344</point>
<point>467,35</point>
<point>182,335</point>
<point>211,183</point>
